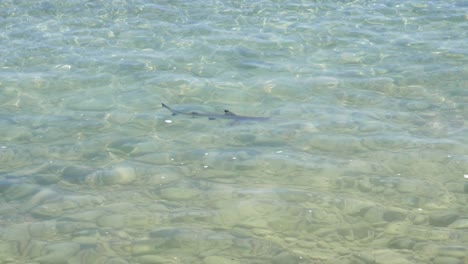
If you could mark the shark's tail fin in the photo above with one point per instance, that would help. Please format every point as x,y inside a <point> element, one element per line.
<point>174,112</point>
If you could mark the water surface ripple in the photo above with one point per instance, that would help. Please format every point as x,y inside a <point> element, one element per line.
<point>364,159</point>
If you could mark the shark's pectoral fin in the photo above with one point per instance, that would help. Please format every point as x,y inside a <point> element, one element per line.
<point>233,123</point>
<point>194,114</point>
<point>229,113</point>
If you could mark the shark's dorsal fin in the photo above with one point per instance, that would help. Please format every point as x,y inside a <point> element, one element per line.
<point>229,113</point>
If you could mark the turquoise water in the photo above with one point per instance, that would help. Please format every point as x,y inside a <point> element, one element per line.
<point>364,158</point>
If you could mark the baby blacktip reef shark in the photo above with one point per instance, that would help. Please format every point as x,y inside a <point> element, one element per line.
<point>227,115</point>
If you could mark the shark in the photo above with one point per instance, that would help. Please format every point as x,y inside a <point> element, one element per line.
<point>212,116</point>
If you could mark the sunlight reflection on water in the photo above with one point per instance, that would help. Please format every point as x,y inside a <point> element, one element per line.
<point>360,160</point>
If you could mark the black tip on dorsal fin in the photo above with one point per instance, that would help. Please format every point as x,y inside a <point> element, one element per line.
<point>229,113</point>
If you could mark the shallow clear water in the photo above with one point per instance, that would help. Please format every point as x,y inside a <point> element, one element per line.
<point>364,159</point>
